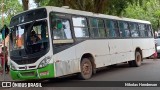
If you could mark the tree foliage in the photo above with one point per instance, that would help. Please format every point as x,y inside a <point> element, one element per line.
<point>11,7</point>
<point>150,10</point>
<point>139,9</point>
<point>114,7</point>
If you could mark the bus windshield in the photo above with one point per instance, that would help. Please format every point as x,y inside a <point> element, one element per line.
<point>29,38</point>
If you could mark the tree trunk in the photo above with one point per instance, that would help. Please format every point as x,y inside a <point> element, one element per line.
<point>25,4</point>
<point>65,3</point>
<point>100,6</point>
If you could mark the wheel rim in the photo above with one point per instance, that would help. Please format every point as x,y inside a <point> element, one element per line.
<point>86,68</point>
<point>138,59</point>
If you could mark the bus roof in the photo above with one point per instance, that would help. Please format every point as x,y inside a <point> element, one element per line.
<point>91,14</point>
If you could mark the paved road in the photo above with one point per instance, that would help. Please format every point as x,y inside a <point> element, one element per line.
<point>149,71</point>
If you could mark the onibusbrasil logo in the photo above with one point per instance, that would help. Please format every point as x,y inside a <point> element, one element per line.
<point>20,84</point>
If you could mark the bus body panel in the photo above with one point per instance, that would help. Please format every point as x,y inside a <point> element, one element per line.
<point>101,53</point>
<point>97,48</point>
<point>67,64</point>
<point>121,50</point>
<point>146,45</point>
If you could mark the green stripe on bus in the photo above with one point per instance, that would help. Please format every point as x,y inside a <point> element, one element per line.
<point>41,73</point>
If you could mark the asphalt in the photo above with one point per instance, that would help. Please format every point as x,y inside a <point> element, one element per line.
<point>7,77</point>
<point>149,71</point>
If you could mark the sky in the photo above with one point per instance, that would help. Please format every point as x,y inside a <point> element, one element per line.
<point>31,4</point>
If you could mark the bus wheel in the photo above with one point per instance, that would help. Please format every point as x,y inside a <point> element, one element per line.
<point>86,69</point>
<point>138,60</point>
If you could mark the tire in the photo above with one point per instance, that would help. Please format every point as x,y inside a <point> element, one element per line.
<point>138,60</point>
<point>130,63</point>
<point>86,69</point>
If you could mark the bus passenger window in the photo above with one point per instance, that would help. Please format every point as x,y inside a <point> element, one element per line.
<point>80,27</point>
<point>134,30</point>
<point>94,30</point>
<point>61,29</point>
<point>113,28</point>
<point>97,28</point>
<point>124,29</point>
<point>143,32</point>
<point>149,30</point>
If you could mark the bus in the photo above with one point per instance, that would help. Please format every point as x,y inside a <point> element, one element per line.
<point>68,41</point>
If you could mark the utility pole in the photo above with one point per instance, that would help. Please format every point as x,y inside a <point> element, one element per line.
<point>4,47</point>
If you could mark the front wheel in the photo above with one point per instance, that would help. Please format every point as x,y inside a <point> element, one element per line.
<point>86,69</point>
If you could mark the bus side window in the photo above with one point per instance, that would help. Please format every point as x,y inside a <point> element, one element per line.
<point>80,27</point>
<point>101,28</point>
<point>149,30</point>
<point>97,28</point>
<point>134,30</point>
<point>94,28</point>
<point>108,28</point>
<point>122,29</point>
<point>61,29</point>
<point>142,30</point>
<point>126,28</point>
<point>113,28</point>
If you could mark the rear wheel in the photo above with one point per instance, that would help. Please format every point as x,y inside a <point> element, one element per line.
<point>86,69</point>
<point>138,60</point>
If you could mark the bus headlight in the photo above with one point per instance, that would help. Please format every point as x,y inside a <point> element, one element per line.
<point>44,62</point>
<point>12,66</point>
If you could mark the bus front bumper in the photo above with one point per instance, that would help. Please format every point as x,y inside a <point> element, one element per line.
<point>41,73</point>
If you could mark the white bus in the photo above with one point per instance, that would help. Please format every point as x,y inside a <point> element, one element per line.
<point>52,42</point>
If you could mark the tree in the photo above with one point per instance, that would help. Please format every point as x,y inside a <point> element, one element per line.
<point>11,7</point>
<point>138,9</point>
<point>150,10</point>
<point>112,7</point>
<point>25,4</point>
<point>86,5</point>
